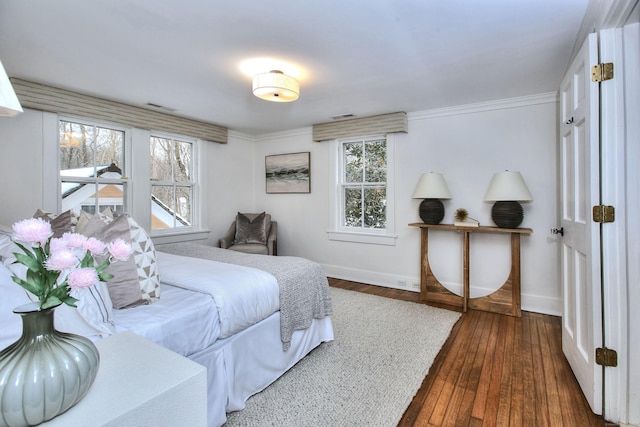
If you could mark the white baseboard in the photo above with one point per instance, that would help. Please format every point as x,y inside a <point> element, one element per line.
<point>534,303</point>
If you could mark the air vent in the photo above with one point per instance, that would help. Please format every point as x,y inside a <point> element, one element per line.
<point>343,116</point>
<point>159,107</point>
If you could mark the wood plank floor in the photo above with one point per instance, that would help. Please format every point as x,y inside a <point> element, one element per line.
<point>495,370</point>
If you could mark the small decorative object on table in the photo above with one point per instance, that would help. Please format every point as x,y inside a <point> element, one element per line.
<point>46,372</point>
<point>463,220</point>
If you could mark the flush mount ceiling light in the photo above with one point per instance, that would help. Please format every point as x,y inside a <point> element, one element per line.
<point>276,86</point>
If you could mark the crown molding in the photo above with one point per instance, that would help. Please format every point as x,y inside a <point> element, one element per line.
<point>501,104</point>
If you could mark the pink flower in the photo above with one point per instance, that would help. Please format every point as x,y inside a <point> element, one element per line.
<point>82,278</point>
<point>61,260</point>
<point>74,240</point>
<point>95,246</point>
<point>119,250</point>
<point>57,244</point>
<point>33,231</point>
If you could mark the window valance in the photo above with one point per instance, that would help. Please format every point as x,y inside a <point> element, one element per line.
<point>47,98</point>
<point>361,126</point>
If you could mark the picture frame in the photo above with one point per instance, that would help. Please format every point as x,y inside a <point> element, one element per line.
<point>288,173</point>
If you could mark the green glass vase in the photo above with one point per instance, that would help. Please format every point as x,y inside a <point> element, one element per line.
<point>45,372</point>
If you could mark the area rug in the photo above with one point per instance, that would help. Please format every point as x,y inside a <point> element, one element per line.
<point>367,376</point>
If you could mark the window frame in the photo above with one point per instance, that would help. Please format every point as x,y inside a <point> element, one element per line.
<point>194,184</point>
<point>124,180</point>
<point>337,231</point>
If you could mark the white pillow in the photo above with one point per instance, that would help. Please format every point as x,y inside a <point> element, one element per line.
<point>93,315</point>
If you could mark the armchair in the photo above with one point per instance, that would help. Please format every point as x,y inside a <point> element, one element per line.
<point>251,233</point>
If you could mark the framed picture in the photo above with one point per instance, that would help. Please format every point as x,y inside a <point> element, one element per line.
<point>288,173</point>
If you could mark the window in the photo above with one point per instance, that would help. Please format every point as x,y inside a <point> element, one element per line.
<point>364,183</point>
<point>172,182</point>
<point>363,197</point>
<point>91,167</point>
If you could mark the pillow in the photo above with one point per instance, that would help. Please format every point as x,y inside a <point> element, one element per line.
<point>252,230</point>
<point>93,314</point>
<point>83,219</point>
<point>124,287</point>
<point>60,224</point>
<point>144,255</point>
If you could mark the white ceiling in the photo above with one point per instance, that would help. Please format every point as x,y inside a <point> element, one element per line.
<point>355,56</point>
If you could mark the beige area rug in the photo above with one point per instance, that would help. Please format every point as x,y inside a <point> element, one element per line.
<point>367,376</point>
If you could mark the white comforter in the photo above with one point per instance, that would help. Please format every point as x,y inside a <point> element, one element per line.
<point>243,295</point>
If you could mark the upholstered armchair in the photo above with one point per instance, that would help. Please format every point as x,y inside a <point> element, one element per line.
<point>252,233</point>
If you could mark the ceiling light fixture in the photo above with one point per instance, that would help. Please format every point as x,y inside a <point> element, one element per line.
<point>276,86</point>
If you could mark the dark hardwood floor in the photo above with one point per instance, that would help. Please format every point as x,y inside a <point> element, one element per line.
<point>495,370</point>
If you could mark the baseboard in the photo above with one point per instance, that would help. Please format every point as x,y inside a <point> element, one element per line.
<point>534,303</point>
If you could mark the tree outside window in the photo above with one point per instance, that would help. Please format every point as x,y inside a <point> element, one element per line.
<point>364,183</point>
<point>172,183</point>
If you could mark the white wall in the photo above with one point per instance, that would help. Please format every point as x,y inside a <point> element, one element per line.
<point>21,166</point>
<point>467,144</point>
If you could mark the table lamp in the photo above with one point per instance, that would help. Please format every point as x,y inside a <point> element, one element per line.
<point>431,187</point>
<point>507,189</point>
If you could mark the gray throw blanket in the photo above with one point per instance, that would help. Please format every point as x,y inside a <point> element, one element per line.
<point>304,289</point>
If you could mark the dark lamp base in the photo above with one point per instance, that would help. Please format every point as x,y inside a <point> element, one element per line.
<point>431,211</point>
<point>507,214</point>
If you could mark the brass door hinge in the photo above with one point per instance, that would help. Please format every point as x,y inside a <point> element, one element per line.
<point>606,357</point>
<point>602,213</point>
<point>602,72</point>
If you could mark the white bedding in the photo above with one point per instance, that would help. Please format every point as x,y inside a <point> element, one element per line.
<point>182,321</point>
<point>243,295</point>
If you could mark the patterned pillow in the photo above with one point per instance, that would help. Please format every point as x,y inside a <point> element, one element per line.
<point>145,259</point>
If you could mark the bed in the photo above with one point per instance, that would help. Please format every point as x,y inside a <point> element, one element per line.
<point>246,318</point>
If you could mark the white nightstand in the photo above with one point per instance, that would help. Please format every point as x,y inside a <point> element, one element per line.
<point>140,383</point>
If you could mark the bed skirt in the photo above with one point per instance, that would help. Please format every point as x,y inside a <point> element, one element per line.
<point>247,362</point>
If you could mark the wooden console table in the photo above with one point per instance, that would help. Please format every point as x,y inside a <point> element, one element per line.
<point>505,300</point>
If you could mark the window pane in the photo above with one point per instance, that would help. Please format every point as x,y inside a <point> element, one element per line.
<point>76,148</point>
<point>353,207</point>
<point>376,161</point>
<point>375,200</point>
<point>81,196</point>
<point>109,148</point>
<point>184,196</point>
<point>162,206</point>
<point>353,162</point>
<point>182,169</point>
<point>160,150</point>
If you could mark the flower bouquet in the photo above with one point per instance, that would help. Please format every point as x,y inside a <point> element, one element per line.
<point>55,266</point>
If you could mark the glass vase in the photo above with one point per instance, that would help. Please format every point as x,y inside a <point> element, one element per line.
<point>45,372</point>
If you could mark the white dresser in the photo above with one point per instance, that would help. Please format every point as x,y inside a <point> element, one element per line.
<point>140,383</point>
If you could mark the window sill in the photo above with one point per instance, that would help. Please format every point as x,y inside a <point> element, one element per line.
<point>176,237</point>
<point>355,237</point>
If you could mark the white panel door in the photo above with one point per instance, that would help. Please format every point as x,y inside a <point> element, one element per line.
<point>579,139</point>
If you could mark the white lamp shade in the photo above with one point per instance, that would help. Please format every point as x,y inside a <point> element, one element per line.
<point>508,186</point>
<point>431,186</point>
<point>276,86</point>
<point>9,104</point>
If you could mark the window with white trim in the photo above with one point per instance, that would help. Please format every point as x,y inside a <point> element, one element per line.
<point>91,164</point>
<point>363,197</point>
<point>173,182</point>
